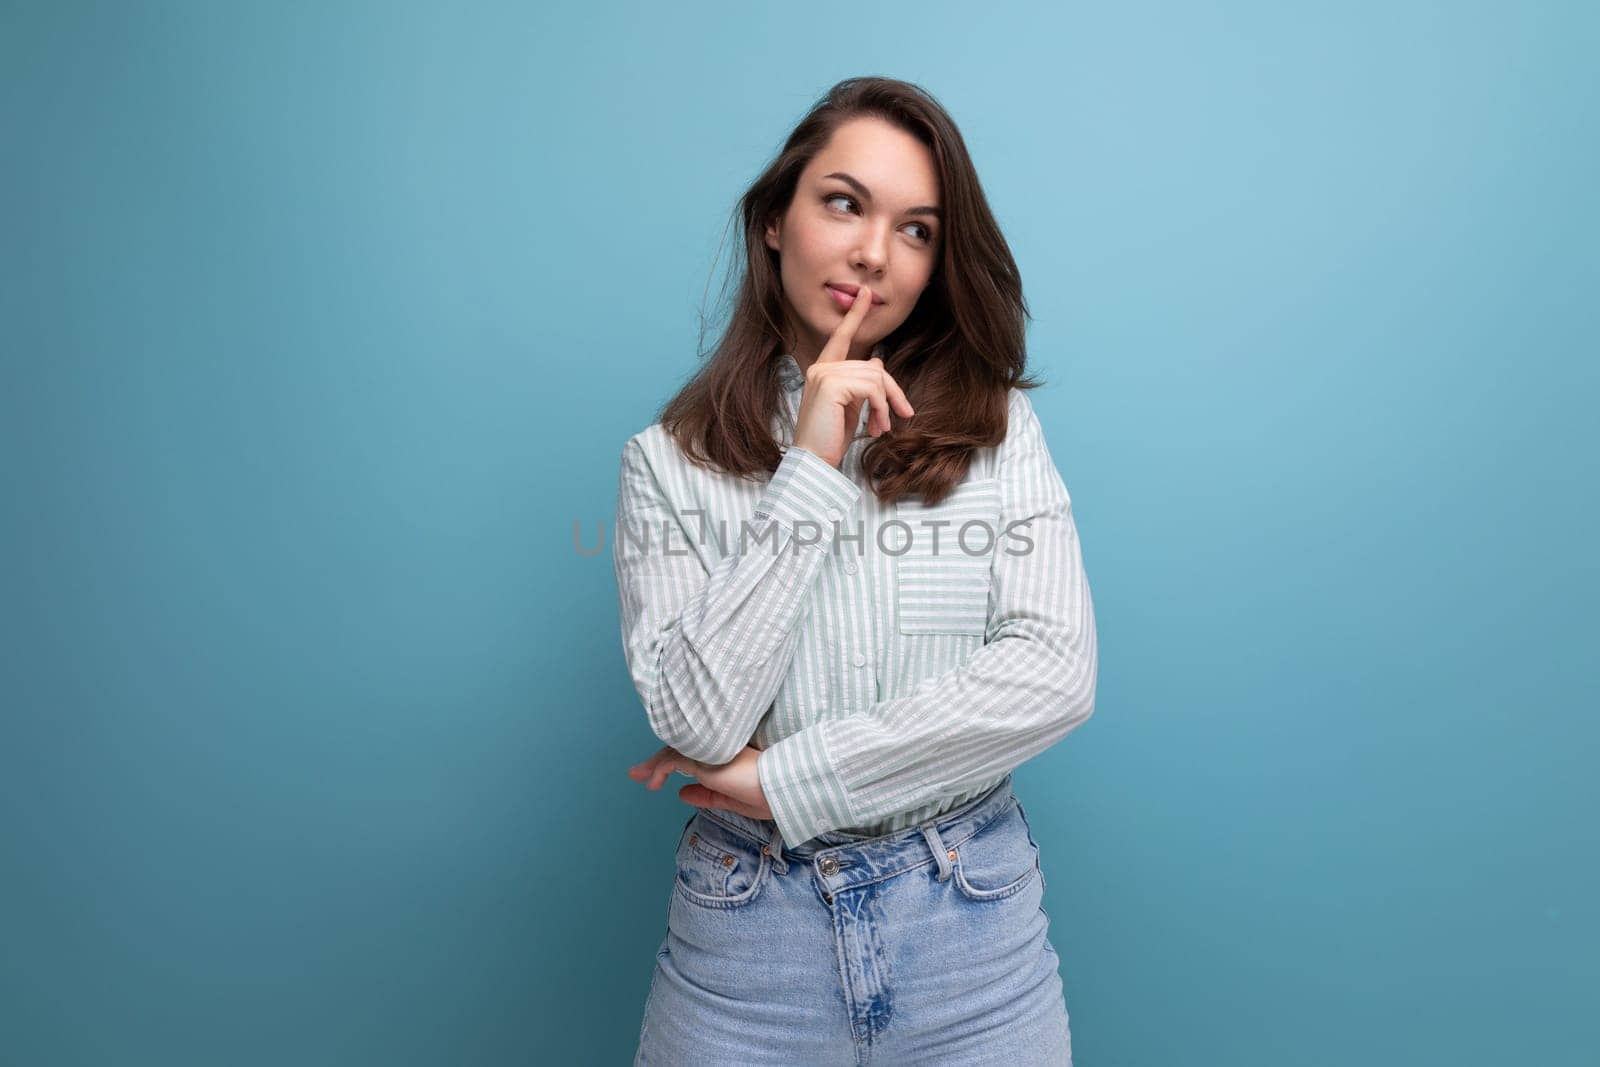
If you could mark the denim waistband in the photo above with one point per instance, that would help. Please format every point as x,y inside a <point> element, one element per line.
<point>853,859</point>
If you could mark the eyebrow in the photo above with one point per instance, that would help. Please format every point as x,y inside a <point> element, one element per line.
<point>866,194</point>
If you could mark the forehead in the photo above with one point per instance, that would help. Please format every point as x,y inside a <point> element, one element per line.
<point>884,158</point>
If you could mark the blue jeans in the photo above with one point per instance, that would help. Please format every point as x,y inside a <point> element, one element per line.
<point>926,946</point>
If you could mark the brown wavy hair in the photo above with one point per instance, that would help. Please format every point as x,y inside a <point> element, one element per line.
<point>956,355</point>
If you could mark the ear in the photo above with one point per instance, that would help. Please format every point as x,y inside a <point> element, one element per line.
<point>772,234</point>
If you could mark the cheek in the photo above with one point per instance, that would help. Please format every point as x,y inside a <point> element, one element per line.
<point>808,261</point>
<point>811,251</point>
<point>913,282</point>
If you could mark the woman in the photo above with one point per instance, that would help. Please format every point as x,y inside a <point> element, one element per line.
<point>853,601</point>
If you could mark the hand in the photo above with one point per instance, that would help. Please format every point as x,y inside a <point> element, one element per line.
<point>734,785</point>
<point>836,387</point>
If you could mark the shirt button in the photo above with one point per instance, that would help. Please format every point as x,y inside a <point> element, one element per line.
<point>849,568</point>
<point>835,513</point>
<point>859,660</point>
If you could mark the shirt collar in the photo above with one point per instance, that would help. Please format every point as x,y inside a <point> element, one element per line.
<point>790,376</point>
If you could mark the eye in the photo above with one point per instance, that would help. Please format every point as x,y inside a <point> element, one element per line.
<point>925,238</point>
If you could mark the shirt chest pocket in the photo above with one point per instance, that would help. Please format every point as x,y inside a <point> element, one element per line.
<point>944,588</point>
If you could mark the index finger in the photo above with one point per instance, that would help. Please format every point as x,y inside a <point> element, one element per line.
<point>838,346</point>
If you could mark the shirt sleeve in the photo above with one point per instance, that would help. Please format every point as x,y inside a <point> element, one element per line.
<point>708,649</point>
<point>1026,687</point>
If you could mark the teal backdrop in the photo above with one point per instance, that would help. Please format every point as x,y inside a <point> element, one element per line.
<point>323,326</point>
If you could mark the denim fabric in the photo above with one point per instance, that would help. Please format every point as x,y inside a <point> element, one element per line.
<point>925,946</point>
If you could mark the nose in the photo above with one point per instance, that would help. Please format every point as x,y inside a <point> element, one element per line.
<point>873,252</point>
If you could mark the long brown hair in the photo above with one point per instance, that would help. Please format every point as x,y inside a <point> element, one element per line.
<point>956,355</point>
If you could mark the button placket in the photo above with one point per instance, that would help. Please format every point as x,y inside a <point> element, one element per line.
<point>845,562</point>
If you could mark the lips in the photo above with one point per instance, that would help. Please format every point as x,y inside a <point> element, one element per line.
<point>851,290</point>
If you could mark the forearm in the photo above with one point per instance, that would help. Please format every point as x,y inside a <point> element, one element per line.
<point>1010,701</point>
<point>709,651</point>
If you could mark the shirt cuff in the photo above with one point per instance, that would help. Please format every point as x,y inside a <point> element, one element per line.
<point>806,797</point>
<point>806,487</point>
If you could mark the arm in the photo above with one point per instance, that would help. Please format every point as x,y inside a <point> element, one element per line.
<point>1031,683</point>
<point>708,651</point>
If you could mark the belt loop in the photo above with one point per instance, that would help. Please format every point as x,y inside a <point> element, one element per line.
<point>775,850</point>
<point>936,843</point>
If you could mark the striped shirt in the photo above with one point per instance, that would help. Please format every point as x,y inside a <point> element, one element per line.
<point>891,661</point>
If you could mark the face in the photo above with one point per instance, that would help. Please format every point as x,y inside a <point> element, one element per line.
<point>858,218</point>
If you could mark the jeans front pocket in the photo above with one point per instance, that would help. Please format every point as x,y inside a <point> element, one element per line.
<point>718,866</point>
<point>998,861</point>
<point>943,576</point>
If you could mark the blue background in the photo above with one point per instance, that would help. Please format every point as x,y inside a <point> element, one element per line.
<point>324,324</point>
